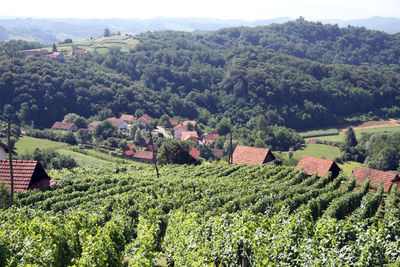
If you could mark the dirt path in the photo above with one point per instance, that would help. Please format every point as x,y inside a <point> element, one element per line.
<point>373,124</point>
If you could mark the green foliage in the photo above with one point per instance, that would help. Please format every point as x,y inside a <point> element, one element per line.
<point>175,152</point>
<point>50,159</point>
<point>5,196</point>
<point>224,126</point>
<point>104,130</point>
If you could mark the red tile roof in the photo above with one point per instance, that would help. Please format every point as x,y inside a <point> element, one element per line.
<point>194,153</point>
<point>4,147</point>
<point>130,146</point>
<point>188,135</point>
<point>173,122</point>
<point>211,137</point>
<point>115,121</point>
<point>251,155</point>
<point>91,126</point>
<point>129,153</point>
<point>32,53</point>
<point>127,117</point>
<point>23,171</point>
<point>145,118</point>
<point>80,51</point>
<point>312,165</point>
<point>186,123</point>
<point>150,147</point>
<point>361,173</point>
<point>140,154</point>
<point>58,125</point>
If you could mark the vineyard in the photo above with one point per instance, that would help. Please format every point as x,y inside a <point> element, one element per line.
<point>207,215</point>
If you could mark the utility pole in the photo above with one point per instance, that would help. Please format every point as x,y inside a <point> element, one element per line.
<point>10,160</point>
<point>152,148</point>
<point>231,148</point>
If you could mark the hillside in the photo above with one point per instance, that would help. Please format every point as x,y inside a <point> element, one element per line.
<point>209,214</point>
<point>291,78</point>
<point>50,31</point>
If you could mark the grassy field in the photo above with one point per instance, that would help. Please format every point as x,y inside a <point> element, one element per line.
<point>319,151</point>
<point>27,145</point>
<point>85,160</point>
<point>101,45</point>
<point>340,136</point>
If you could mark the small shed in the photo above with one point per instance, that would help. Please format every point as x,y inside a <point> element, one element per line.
<point>376,176</point>
<point>28,174</point>
<point>252,155</point>
<point>317,165</point>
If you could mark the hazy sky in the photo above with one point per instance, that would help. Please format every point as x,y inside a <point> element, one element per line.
<point>224,9</point>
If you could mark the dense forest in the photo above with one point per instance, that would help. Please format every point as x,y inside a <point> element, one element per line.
<point>298,74</point>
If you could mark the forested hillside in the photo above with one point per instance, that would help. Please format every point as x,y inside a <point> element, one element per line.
<point>298,74</point>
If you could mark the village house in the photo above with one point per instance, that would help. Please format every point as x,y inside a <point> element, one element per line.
<point>178,130</point>
<point>57,56</point>
<point>119,123</point>
<point>79,51</point>
<point>211,137</point>
<point>3,150</point>
<point>64,126</point>
<point>173,122</point>
<point>320,166</point>
<point>143,156</point>
<point>194,153</point>
<point>190,136</point>
<point>128,118</point>
<point>145,119</point>
<point>376,176</point>
<point>27,174</point>
<point>218,153</point>
<point>91,126</point>
<point>252,155</point>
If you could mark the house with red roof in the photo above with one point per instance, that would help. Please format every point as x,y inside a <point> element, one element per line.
<point>119,123</point>
<point>178,130</point>
<point>143,156</point>
<point>128,118</point>
<point>190,136</point>
<point>27,174</point>
<point>3,150</point>
<point>64,126</point>
<point>150,147</point>
<point>79,51</point>
<point>211,137</point>
<point>91,126</point>
<point>129,153</point>
<point>252,155</point>
<point>194,153</point>
<point>173,122</point>
<point>145,119</point>
<point>57,56</point>
<point>376,176</point>
<point>317,165</point>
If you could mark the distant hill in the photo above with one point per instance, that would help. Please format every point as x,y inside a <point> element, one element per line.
<point>53,30</point>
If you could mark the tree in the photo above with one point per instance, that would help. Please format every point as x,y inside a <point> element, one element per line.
<point>83,136</point>
<point>107,32</point>
<point>350,139</point>
<point>104,130</point>
<point>67,41</point>
<point>175,152</point>
<point>224,126</point>
<point>54,49</point>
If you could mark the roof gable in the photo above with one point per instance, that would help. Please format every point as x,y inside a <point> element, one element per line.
<point>189,135</point>
<point>5,148</point>
<point>194,153</point>
<point>117,122</point>
<point>62,125</point>
<point>361,173</point>
<point>250,155</point>
<point>312,165</point>
<point>127,117</point>
<point>23,172</point>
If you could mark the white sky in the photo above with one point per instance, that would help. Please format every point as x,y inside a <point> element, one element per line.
<point>223,9</point>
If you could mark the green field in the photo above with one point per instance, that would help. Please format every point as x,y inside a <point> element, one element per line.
<point>319,151</point>
<point>101,45</point>
<point>340,137</point>
<point>27,145</point>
